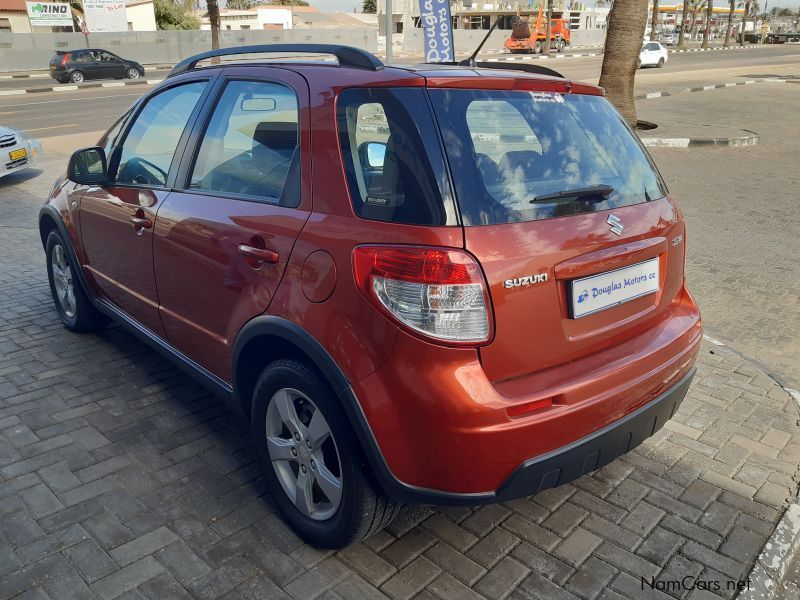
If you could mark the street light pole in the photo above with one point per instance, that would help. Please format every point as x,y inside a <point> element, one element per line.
<point>388,27</point>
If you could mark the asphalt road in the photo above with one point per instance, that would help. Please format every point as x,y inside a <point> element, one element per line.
<point>45,115</point>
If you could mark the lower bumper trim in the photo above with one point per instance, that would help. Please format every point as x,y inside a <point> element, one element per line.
<point>596,450</point>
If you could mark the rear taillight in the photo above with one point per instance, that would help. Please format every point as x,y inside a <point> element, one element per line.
<point>64,60</point>
<point>437,292</point>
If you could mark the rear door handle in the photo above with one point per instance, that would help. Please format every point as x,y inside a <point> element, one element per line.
<point>259,254</point>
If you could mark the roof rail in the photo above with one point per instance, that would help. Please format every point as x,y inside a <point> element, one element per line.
<point>346,55</point>
<point>526,67</point>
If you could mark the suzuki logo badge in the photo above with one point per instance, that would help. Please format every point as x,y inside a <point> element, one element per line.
<point>616,224</point>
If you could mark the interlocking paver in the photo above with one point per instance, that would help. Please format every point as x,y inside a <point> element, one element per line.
<point>118,472</point>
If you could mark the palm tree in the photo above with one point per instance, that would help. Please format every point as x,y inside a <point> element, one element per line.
<point>730,24</point>
<point>709,16</point>
<point>213,16</point>
<point>626,23</point>
<point>744,21</point>
<point>548,33</point>
<point>653,21</point>
<point>682,29</point>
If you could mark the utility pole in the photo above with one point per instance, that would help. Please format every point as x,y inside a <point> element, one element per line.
<point>388,27</point>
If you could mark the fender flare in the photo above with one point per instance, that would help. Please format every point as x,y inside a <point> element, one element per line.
<point>50,211</point>
<point>268,325</point>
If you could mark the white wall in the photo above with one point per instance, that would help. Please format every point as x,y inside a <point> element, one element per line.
<point>18,21</point>
<point>141,17</point>
<point>275,16</point>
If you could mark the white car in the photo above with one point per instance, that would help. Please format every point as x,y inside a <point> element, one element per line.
<point>16,151</point>
<point>653,54</point>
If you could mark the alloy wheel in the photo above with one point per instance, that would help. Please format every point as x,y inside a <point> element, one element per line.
<point>303,453</point>
<point>133,74</point>
<point>62,280</point>
<point>77,77</point>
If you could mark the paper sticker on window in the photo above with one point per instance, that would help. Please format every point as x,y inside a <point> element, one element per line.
<point>547,97</point>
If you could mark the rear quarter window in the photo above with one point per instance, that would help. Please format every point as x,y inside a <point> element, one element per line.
<point>393,158</point>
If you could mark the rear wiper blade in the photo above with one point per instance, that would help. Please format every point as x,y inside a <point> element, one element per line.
<point>601,191</point>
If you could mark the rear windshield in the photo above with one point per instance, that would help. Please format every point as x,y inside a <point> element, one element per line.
<point>515,156</point>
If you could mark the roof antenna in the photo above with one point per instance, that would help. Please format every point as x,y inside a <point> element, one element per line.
<point>470,62</point>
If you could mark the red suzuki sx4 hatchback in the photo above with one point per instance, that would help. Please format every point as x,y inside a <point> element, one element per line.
<point>419,284</point>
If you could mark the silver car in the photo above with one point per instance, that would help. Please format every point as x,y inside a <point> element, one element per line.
<point>16,151</point>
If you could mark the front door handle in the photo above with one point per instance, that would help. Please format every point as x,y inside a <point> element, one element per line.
<point>259,254</point>
<point>141,222</point>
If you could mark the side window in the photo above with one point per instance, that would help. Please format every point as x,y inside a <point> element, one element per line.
<point>111,135</point>
<point>149,147</point>
<point>82,57</point>
<point>392,157</point>
<point>251,145</point>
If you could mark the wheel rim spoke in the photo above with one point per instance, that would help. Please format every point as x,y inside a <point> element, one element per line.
<point>304,496</point>
<point>285,405</point>
<point>280,448</point>
<point>330,485</point>
<point>318,430</point>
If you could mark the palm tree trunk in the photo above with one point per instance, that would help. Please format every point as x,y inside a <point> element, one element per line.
<point>682,29</point>
<point>213,16</point>
<point>693,24</point>
<point>730,25</point>
<point>626,23</point>
<point>709,16</point>
<point>654,21</point>
<point>548,30</point>
<point>744,21</point>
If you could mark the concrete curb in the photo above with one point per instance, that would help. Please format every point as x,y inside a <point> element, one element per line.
<point>83,86</point>
<point>580,55</point>
<point>706,88</point>
<point>750,138</point>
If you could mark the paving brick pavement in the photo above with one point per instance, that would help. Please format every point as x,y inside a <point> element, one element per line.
<point>121,478</point>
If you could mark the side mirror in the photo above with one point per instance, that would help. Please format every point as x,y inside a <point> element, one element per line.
<point>373,154</point>
<point>88,166</point>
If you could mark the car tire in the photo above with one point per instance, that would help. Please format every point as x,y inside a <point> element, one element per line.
<point>77,77</point>
<point>639,64</point>
<point>133,73</point>
<point>73,306</point>
<point>660,62</point>
<point>290,400</point>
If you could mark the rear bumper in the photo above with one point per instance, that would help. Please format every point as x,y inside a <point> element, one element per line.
<point>596,450</point>
<point>441,432</point>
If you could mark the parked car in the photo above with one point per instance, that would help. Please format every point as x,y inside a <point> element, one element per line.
<point>420,284</point>
<point>668,39</point>
<point>17,152</point>
<point>93,63</point>
<point>653,54</point>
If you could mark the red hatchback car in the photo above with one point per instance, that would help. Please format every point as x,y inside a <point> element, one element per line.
<point>420,284</point>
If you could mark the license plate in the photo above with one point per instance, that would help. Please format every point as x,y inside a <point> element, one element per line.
<point>599,292</point>
<point>17,154</point>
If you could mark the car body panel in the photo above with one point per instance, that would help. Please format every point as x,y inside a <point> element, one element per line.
<point>439,416</point>
<point>86,61</point>
<point>13,143</point>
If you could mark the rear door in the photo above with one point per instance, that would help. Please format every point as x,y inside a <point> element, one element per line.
<point>117,217</point>
<point>536,246</point>
<point>223,238</point>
